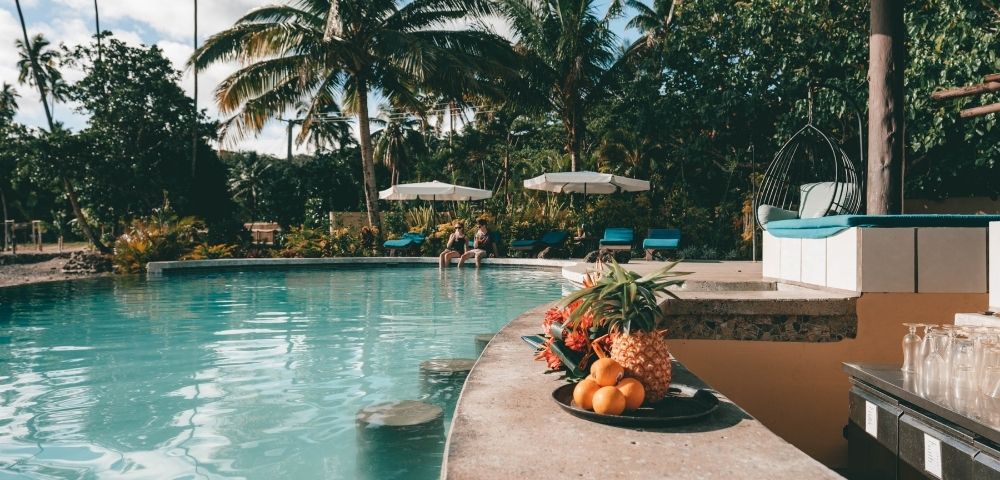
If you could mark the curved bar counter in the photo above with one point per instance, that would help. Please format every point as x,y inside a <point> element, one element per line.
<point>506,425</point>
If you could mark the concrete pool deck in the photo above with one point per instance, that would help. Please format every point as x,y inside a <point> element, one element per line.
<point>506,425</point>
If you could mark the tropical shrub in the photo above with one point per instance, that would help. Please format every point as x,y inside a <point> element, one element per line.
<point>418,219</point>
<point>204,251</point>
<point>160,237</point>
<point>305,242</point>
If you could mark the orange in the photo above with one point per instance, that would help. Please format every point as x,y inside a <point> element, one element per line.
<point>607,372</point>
<point>634,392</point>
<point>583,394</point>
<point>609,401</point>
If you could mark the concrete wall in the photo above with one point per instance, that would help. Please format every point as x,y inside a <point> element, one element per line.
<point>994,269</point>
<point>798,390</point>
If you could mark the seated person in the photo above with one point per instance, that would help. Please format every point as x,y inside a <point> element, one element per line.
<point>482,245</point>
<point>456,246</point>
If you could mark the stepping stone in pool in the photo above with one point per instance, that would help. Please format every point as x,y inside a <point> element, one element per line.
<point>403,439</point>
<point>482,340</point>
<point>441,380</point>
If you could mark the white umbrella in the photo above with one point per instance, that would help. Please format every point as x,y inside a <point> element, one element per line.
<point>433,191</point>
<point>585,182</point>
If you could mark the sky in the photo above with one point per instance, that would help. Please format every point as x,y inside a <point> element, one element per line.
<point>165,23</point>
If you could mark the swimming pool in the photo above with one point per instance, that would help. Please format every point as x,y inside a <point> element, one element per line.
<point>252,374</point>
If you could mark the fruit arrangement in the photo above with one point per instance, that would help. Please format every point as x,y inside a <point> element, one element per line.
<point>606,391</point>
<point>618,312</point>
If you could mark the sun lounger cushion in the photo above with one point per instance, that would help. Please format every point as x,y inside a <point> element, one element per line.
<point>554,238</point>
<point>408,240</point>
<point>524,244</point>
<point>617,237</point>
<point>662,239</point>
<point>828,226</point>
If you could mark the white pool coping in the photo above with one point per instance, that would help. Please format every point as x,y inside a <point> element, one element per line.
<point>160,268</point>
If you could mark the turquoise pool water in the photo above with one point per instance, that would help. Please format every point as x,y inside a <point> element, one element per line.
<point>255,374</point>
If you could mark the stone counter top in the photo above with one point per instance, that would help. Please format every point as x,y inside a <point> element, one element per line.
<point>507,426</point>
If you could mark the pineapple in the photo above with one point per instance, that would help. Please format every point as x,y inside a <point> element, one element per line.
<point>624,303</point>
<point>645,357</point>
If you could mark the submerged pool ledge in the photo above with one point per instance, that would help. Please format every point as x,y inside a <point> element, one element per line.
<point>506,425</point>
<point>160,268</point>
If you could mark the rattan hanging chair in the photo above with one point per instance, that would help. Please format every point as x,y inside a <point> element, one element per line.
<point>810,177</point>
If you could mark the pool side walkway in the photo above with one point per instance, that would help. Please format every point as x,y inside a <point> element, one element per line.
<point>507,426</point>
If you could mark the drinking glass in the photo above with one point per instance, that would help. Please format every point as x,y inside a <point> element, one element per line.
<point>911,346</point>
<point>962,389</point>
<point>934,372</point>
<point>925,345</point>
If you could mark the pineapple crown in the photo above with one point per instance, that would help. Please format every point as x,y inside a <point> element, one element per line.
<point>624,300</point>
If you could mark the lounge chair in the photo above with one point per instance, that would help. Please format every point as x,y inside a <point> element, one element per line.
<point>617,239</point>
<point>409,241</point>
<point>551,239</point>
<point>661,239</point>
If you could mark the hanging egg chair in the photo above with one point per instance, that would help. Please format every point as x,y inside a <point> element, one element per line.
<point>810,177</point>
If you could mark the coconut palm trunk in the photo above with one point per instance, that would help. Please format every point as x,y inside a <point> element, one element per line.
<point>367,157</point>
<point>67,185</point>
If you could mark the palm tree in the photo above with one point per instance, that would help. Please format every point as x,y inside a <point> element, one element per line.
<point>568,51</point>
<point>247,181</point>
<point>318,50</point>
<point>8,102</point>
<point>654,22</point>
<point>50,80</point>
<point>40,82</point>
<point>398,142</point>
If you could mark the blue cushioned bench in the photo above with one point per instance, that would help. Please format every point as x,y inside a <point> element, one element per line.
<point>828,226</point>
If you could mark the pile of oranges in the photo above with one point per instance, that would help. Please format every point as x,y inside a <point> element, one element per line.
<point>605,391</point>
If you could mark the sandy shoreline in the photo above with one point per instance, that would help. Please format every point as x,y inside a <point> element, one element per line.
<point>46,270</point>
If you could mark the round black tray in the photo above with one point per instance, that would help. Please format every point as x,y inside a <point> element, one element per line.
<point>682,405</point>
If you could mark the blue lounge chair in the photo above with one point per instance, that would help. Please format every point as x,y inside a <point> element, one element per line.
<point>661,239</point>
<point>407,242</point>
<point>617,239</point>
<point>551,239</point>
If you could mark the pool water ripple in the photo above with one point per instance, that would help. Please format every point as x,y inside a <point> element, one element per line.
<point>234,374</point>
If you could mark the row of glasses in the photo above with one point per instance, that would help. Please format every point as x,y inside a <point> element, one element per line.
<point>956,366</point>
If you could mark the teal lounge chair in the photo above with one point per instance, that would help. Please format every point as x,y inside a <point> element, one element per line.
<point>551,239</point>
<point>617,239</point>
<point>409,241</point>
<point>661,239</point>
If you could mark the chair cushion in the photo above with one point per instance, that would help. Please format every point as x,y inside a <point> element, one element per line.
<point>671,233</point>
<point>524,243</point>
<point>660,243</point>
<point>618,234</point>
<point>415,237</point>
<point>399,243</point>
<point>827,226</point>
<point>554,238</point>
<point>815,198</point>
<point>616,242</point>
<point>767,214</point>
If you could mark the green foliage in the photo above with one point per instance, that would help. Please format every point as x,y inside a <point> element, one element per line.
<point>624,300</point>
<point>305,242</point>
<point>418,219</point>
<point>204,251</point>
<point>161,237</point>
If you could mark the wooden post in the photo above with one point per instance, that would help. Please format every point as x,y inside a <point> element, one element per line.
<point>36,233</point>
<point>886,56</point>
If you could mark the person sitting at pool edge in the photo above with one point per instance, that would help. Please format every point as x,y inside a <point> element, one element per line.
<point>482,244</point>
<point>455,247</point>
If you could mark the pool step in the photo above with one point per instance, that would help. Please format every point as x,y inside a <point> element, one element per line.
<point>400,439</point>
